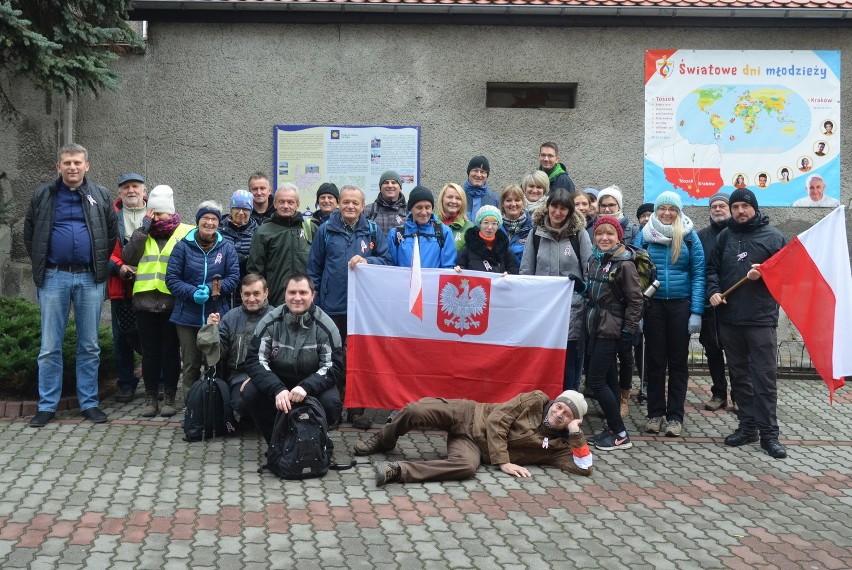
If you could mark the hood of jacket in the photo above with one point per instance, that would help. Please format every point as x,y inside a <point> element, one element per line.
<point>573,225</point>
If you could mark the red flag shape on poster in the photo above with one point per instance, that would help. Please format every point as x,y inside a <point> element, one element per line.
<point>415,293</point>
<point>810,278</point>
<point>483,337</point>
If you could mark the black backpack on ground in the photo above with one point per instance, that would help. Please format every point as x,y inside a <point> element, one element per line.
<point>300,447</point>
<point>208,409</point>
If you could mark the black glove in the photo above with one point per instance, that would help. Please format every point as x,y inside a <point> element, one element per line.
<point>579,284</point>
<point>626,341</point>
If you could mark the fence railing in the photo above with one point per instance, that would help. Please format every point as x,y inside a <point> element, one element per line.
<point>793,360</point>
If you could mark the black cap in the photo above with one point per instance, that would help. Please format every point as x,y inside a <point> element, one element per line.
<point>646,207</point>
<point>744,195</point>
<point>419,194</point>
<point>328,188</point>
<point>479,162</point>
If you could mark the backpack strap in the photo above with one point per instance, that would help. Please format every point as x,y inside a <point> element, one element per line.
<point>575,245</point>
<point>437,227</point>
<point>225,393</point>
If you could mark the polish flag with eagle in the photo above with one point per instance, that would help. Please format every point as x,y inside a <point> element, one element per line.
<point>480,336</point>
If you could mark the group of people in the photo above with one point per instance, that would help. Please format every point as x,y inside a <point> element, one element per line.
<point>273,283</point>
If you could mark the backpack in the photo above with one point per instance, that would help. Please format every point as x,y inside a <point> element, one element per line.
<point>437,227</point>
<point>644,266</point>
<point>208,409</point>
<point>300,447</point>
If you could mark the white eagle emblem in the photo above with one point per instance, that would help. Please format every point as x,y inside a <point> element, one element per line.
<point>462,306</point>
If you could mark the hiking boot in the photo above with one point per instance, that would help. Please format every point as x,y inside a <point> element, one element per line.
<point>126,395</point>
<point>161,395</point>
<point>151,405</point>
<point>715,404</point>
<point>168,408</point>
<point>95,415</point>
<point>741,437</point>
<point>359,419</point>
<point>386,472</point>
<point>371,445</point>
<point>654,424</point>
<point>612,442</point>
<point>734,407</point>
<point>41,419</point>
<point>773,448</point>
<point>674,428</point>
<point>625,407</point>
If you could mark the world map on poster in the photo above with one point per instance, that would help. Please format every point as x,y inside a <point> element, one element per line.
<point>753,118</point>
<point>767,120</point>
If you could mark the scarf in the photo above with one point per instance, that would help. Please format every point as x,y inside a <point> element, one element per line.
<point>162,229</point>
<point>537,204</point>
<point>656,231</point>
<point>449,220</point>
<point>558,233</point>
<point>512,226</point>
<point>489,241</point>
<point>557,170</point>
<point>474,195</point>
<point>206,245</point>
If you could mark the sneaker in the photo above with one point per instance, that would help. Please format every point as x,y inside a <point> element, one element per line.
<point>612,442</point>
<point>95,415</point>
<point>126,395</point>
<point>602,435</point>
<point>715,404</point>
<point>371,445</point>
<point>360,421</point>
<point>673,428</point>
<point>41,419</point>
<point>654,424</point>
<point>386,472</point>
<point>741,437</point>
<point>773,448</point>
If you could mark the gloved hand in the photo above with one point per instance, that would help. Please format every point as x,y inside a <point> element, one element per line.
<point>579,284</point>
<point>201,295</point>
<point>626,341</point>
<point>694,324</point>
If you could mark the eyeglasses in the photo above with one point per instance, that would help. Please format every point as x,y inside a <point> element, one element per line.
<point>721,206</point>
<point>478,171</point>
<point>489,224</point>
<point>608,206</point>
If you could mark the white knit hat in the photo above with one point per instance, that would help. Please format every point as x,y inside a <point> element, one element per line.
<point>162,199</point>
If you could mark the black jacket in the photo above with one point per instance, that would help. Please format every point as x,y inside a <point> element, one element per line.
<point>100,220</point>
<point>475,254</point>
<point>737,248</point>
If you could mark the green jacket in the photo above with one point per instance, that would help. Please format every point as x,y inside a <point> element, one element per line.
<point>459,226</point>
<point>279,248</point>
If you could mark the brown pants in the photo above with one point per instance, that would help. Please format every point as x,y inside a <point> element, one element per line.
<point>453,416</point>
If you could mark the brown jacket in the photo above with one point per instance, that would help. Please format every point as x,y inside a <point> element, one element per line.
<point>512,432</point>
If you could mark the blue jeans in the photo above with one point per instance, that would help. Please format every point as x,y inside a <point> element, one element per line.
<point>60,290</point>
<point>124,361</point>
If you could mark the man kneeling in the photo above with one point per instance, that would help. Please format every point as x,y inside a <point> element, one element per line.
<point>296,352</point>
<point>529,429</point>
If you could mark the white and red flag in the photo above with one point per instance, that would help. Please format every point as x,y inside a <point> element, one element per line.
<point>810,278</point>
<point>415,292</point>
<point>482,336</point>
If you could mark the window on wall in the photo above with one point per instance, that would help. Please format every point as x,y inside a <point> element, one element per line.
<point>531,95</point>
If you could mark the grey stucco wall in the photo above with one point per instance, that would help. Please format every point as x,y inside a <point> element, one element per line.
<point>196,110</point>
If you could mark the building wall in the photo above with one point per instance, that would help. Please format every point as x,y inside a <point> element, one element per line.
<point>196,110</point>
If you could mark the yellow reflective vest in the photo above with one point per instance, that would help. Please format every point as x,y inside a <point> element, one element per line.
<point>151,270</point>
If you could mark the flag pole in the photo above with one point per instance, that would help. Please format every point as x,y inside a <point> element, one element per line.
<point>734,287</point>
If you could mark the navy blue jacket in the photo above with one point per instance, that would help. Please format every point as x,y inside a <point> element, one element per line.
<point>190,266</point>
<point>333,246</point>
<point>518,240</point>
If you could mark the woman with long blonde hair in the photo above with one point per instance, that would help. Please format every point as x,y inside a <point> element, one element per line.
<point>674,312</point>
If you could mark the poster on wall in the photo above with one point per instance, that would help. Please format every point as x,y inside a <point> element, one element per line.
<point>308,155</point>
<point>765,120</point>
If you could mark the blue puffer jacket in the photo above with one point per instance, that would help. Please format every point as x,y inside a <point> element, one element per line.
<point>189,266</point>
<point>401,248</point>
<point>684,278</point>
<point>333,246</point>
<point>518,240</point>
<point>241,238</point>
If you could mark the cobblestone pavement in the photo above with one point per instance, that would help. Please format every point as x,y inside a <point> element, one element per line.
<point>133,494</point>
